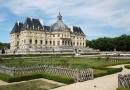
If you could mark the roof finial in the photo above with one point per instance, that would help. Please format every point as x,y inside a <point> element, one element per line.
<point>59,16</point>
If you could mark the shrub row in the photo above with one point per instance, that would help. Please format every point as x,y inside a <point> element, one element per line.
<point>33,55</point>
<point>90,53</point>
<point>57,78</point>
<point>127,66</point>
<point>24,78</point>
<point>112,70</point>
<point>4,77</point>
<point>99,74</point>
<point>108,71</point>
<point>123,88</point>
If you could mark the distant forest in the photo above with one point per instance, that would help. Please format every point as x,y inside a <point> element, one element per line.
<point>121,43</point>
<point>4,45</point>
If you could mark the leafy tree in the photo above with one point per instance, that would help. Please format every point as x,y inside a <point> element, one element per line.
<point>120,43</point>
<point>3,51</point>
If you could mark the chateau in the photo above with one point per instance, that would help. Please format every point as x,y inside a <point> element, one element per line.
<point>33,36</point>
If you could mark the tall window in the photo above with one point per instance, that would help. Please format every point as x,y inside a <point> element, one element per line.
<point>58,42</point>
<point>53,42</point>
<point>50,42</point>
<point>30,41</point>
<point>41,41</point>
<point>17,42</point>
<point>35,41</point>
<point>58,35</point>
<point>24,41</point>
<point>46,42</point>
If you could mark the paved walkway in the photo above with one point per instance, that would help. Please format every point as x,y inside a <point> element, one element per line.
<point>109,82</point>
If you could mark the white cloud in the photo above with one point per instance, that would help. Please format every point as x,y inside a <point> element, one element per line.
<point>88,14</point>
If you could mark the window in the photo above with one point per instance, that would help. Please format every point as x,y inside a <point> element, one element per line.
<point>58,42</point>
<point>53,42</point>
<point>77,44</point>
<point>41,41</point>
<point>46,42</point>
<point>58,35</point>
<point>24,41</point>
<point>30,41</point>
<point>54,35</point>
<point>17,42</point>
<point>50,42</point>
<point>35,41</point>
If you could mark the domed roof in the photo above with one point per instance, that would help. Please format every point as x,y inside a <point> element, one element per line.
<point>59,25</point>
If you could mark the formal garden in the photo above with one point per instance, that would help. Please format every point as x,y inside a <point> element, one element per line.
<point>68,65</point>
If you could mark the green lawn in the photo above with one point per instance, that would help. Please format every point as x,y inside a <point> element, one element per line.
<point>30,85</point>
<point>81,63</point>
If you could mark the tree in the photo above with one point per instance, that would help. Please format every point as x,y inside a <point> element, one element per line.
<point>3,51</point>
<point>120,43</point>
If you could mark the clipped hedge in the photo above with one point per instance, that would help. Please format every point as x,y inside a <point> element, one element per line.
<point>100,73</point>
<point>24,78</point>
<point>123,88</point>
<point>127,66</point>
<point>90,53</point>
<point>58,78</point>
<point>4,77</point>
<point>34,55</point>
<point>106,71</point>
<point>112,70</point>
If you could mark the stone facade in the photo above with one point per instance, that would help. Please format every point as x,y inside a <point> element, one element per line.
<point>33,35</point>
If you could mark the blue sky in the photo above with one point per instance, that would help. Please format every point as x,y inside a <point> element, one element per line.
<point>97,18</point>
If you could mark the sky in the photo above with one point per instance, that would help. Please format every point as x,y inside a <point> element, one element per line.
<point>97,18</point>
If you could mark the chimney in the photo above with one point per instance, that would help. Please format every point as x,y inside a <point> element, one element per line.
<point>31,18</point>
<point>71,28</point>
<point>41,21</point>
<point>18,23</point>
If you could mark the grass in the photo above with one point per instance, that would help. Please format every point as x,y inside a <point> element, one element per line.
<point>80,63</point>
<point>123,88</point>
<point>30,85</point>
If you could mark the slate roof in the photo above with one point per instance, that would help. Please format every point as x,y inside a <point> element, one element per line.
<point>47,28</point>
<point>17,27</point>
<point>32,24</point>
<point>77,30</point>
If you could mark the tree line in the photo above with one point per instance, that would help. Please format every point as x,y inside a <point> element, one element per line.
<point>121,43</point>
<point>4,45</point>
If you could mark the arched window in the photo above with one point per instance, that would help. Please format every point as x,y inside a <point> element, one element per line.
<point>41,41</point>
<point>35,41</point>
<point>53,42</point>
<point>46,42</point>
<point>30,41</point>
<point>24,41</point>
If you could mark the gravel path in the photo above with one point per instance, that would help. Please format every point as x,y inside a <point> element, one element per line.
<point>109,82</point>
